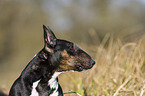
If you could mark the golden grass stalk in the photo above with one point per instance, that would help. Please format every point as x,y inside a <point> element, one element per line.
<point>129,78</point>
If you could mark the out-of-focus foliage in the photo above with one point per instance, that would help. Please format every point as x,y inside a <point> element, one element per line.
<point>85,22</point>
<point>103,16</point>
<point>18,21</point>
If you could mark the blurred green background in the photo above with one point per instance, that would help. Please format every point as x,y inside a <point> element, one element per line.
<point>84,22</point>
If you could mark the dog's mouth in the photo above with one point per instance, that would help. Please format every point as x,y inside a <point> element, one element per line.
<point>79,68</point>
<point>83,68</point>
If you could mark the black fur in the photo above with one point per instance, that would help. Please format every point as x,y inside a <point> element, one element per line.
<point>56,56</point>
<point>2,94</point>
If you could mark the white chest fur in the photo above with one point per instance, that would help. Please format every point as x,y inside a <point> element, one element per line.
<point>34,92</point>
<point>53,83</point>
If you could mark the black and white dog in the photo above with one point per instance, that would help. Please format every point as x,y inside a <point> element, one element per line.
<point>39,78</point>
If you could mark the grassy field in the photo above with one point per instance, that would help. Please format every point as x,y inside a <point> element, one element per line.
<point>119,71</point>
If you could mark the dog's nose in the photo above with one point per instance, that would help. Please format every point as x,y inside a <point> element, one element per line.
<point>92,62</point>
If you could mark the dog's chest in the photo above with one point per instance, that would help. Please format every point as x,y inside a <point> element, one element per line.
<point>34,91</point>
<point>52,85</point>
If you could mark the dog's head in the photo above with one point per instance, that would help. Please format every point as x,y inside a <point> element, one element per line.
<point>67,55</point>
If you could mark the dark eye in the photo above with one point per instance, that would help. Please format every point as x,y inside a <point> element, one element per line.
<point>76,47</point>
<point>71,50</point>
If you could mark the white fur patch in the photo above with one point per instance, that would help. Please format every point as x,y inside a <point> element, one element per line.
<point>54,84</point>
<point>34,91</point>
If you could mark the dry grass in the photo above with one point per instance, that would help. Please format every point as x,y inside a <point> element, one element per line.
<point>119,71</point>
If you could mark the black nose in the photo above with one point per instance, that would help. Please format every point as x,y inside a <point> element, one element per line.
<point>92,62</point>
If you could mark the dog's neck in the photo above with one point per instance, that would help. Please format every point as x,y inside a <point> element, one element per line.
<point>49,88</point>
<point>37,79</point>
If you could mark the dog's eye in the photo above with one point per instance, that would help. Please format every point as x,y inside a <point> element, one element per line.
<point>76,47</point>
<point>71,50</point>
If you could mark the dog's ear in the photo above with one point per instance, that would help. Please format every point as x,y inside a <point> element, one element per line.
<point>49,37</point>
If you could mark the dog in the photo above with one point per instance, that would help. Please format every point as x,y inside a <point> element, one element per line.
<point>2,94</point>
<point>40,76</point>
